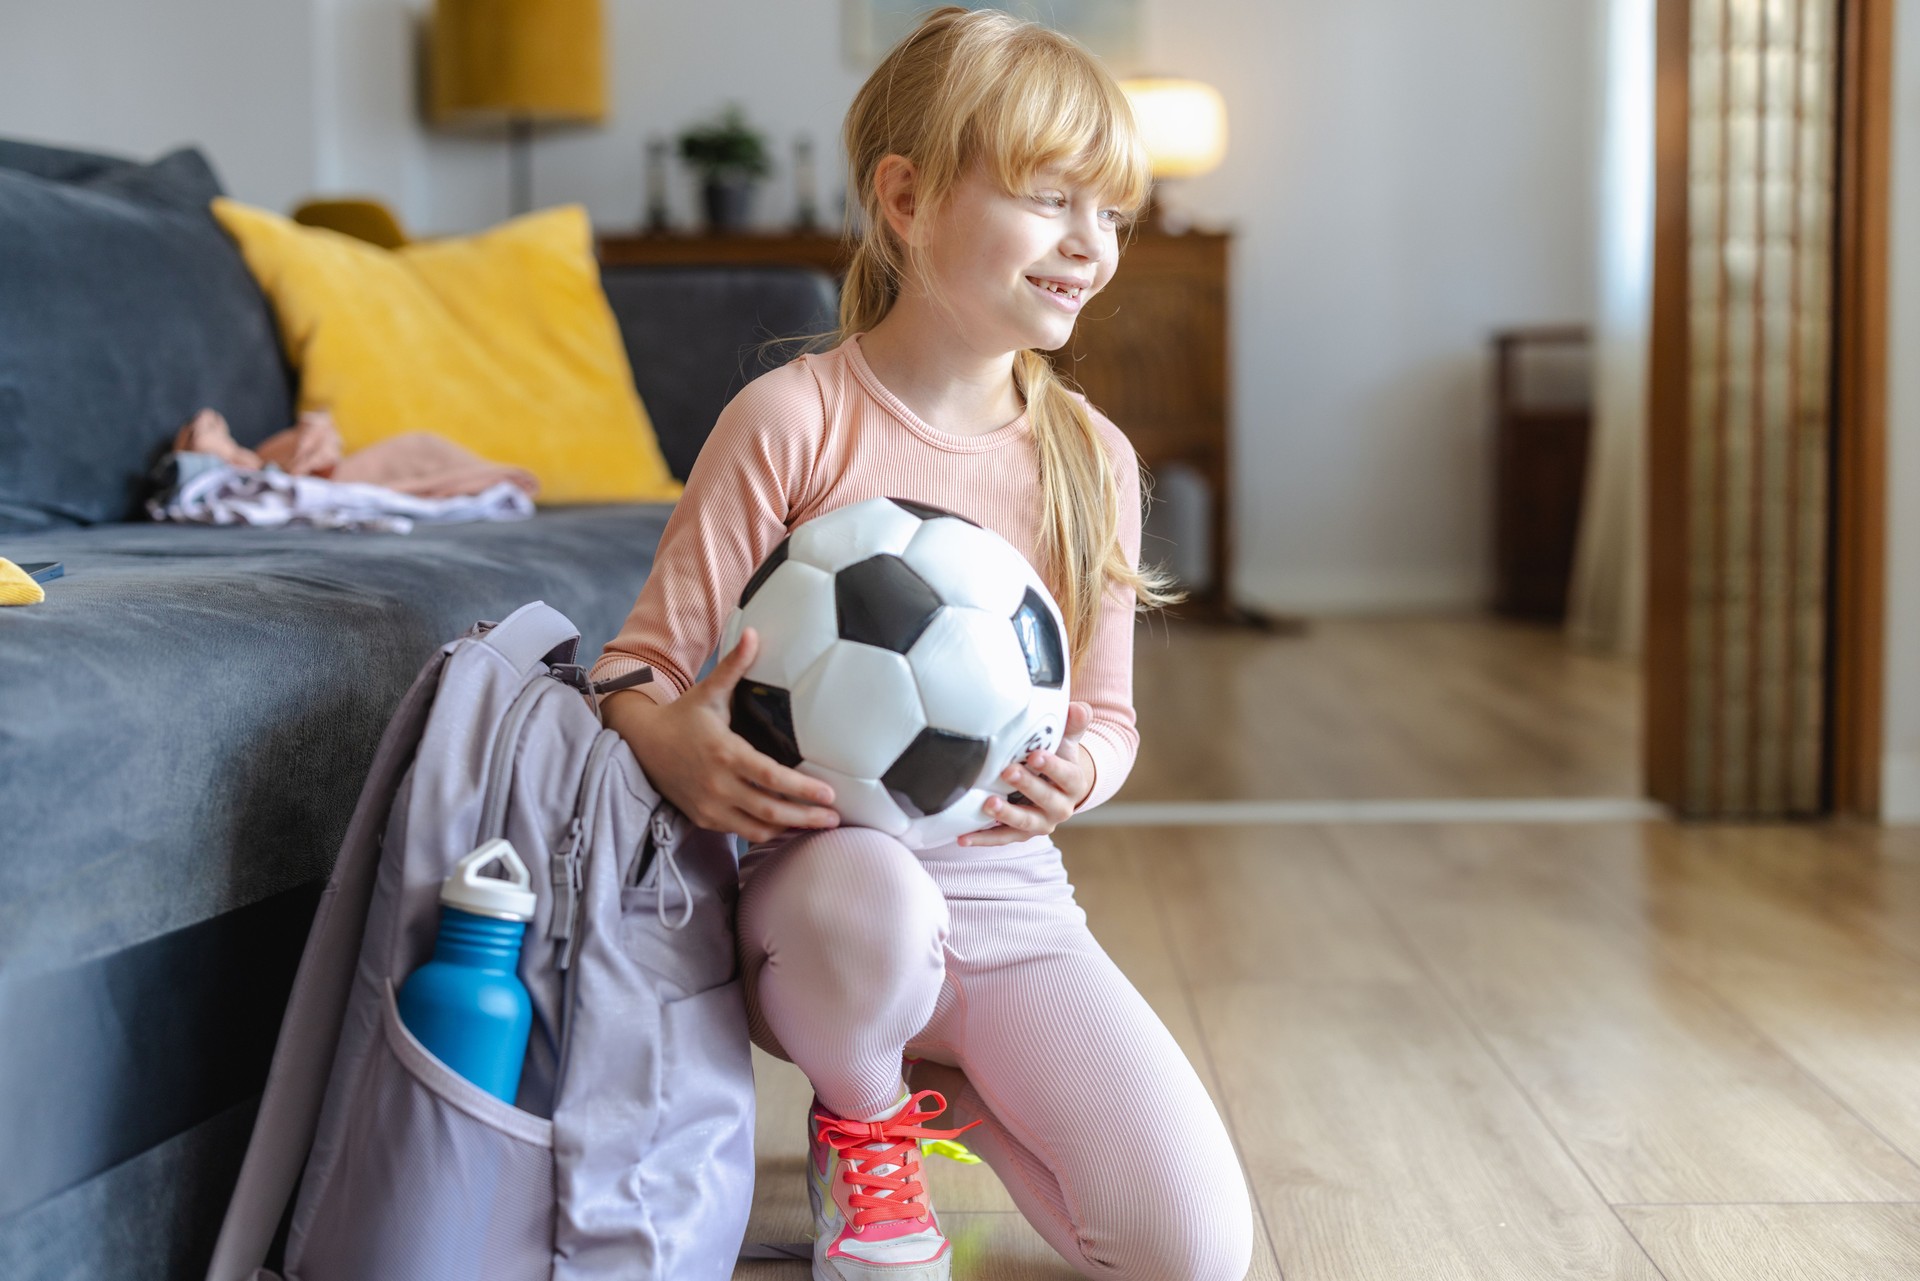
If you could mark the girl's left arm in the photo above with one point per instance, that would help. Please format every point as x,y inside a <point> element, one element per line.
<point>1101,739</point>
<point>1105,678</point>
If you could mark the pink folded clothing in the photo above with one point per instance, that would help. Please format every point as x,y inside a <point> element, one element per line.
<point>416,462</point>
<point>311,447</point>
<point>428,466</point>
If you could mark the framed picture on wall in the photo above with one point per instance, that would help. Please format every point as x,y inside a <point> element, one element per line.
<point>1110,28</point>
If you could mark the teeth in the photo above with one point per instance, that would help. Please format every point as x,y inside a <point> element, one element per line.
<point>1051,287</point>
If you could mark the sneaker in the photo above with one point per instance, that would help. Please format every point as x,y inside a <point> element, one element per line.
<point>872,1218</point>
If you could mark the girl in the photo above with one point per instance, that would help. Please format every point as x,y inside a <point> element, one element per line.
<point>997,164</point>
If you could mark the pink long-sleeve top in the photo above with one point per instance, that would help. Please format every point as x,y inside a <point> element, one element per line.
<point>817,434</point>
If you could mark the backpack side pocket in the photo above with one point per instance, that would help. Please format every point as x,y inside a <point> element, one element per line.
<point>435,1177</point>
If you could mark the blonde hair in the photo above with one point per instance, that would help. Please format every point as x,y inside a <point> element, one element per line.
<point>971,87</point>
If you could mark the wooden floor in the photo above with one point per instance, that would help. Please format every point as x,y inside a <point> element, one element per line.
<point>1482,1052</point>
<point>1449,706</point>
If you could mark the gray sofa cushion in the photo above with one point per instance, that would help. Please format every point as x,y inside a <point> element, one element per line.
<point>696,335</point>
<point>62,164</point>
<point>191,711</point>
<point>124,310</point>
<point>153,1216</point>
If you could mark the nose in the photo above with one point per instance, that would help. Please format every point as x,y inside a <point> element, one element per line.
<point>1081,239</point>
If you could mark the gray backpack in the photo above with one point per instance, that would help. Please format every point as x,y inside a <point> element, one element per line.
<point>630,1153</point>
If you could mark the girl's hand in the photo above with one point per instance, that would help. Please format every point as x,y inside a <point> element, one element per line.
<point>711,774</point>
<point>1053,783</point>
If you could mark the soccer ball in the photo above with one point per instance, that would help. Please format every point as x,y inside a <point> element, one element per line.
<point>907,656</point>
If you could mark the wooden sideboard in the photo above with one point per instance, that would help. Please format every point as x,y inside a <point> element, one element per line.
<point>1150,350</point>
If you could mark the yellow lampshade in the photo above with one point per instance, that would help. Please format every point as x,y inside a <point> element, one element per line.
<point>1183,122</point>
<point>525,60</point>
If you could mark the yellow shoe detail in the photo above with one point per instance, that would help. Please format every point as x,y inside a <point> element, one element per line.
<point>950,1150</point>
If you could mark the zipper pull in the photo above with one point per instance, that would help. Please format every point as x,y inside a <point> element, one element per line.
<point>571,943</point>
<point>565,879</point>
<point>577,902</point>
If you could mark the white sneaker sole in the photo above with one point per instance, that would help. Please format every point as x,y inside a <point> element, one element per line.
<point>825,1269</point>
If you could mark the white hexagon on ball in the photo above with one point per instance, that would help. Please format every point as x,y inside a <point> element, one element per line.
<point>856,709</point>
<point>853,533</point>
<point>965,815</point>
<point>971,673</point>
<point>795,604</point>
<point>1037,727</point>
<point>969,566</point>
<point>861,802</point>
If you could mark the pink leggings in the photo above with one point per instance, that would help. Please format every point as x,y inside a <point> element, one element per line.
<point>856,950</point>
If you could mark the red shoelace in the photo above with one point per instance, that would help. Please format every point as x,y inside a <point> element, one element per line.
<point>902,1134</point>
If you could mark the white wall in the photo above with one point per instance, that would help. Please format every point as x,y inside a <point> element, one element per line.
<point>1403,178</point>
<point>1900,776</point>
<point>233,76</point>
<point>367,136</point>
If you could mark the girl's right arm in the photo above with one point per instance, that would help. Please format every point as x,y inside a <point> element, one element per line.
<point>711,774</point>
<point>747,482</point>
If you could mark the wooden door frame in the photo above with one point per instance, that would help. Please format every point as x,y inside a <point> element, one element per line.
<point>1857,630</point>
<point>1669,362</point>
<point>1856,614</point>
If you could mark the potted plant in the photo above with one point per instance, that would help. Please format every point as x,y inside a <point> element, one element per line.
<point>730,158</point>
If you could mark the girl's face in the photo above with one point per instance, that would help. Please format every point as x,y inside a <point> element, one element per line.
<point>1018,270</point>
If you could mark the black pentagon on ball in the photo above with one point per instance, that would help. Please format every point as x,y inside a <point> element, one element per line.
<point>882,602</point>
<point>775,559</point>
<point>935,771</point>
<point>927,511</point>
<point>1040,642</point>
<point>763,715</point>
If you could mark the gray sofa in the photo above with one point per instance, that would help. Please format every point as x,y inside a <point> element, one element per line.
<point>186,720</point>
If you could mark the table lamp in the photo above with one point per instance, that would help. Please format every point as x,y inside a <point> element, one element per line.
<point>1184,124</point>
<point>520,63</point>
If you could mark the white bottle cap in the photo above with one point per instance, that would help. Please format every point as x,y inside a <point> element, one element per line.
<point>508,899</point>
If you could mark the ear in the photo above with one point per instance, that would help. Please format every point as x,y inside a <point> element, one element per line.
<point>896,182</point>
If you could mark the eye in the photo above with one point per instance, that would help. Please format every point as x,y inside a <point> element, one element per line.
<point>1051,200</point>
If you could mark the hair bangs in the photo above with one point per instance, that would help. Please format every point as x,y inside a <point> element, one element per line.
<point>1062,111</point>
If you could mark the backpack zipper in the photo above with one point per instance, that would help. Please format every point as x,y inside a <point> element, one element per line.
<point>569,868</point>
<point>564,871</point>
<point>493,815</point>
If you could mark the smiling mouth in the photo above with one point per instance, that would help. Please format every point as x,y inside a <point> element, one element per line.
<point>1066,293</point>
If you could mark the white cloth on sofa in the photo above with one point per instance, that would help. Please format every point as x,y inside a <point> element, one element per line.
<point>202,489</point>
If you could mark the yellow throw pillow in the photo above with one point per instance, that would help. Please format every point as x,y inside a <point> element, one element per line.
<point>503,342</point>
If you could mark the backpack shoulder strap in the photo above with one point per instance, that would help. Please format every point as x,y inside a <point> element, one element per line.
<point>303,1055</point>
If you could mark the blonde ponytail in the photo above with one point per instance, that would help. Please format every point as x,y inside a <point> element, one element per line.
<point>972,86</point>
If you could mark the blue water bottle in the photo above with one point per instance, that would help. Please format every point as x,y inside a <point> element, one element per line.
<point>467,1005</point>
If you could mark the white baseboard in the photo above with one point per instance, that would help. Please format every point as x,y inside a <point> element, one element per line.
<point>1900,788</point>
<point>1597,809</point>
